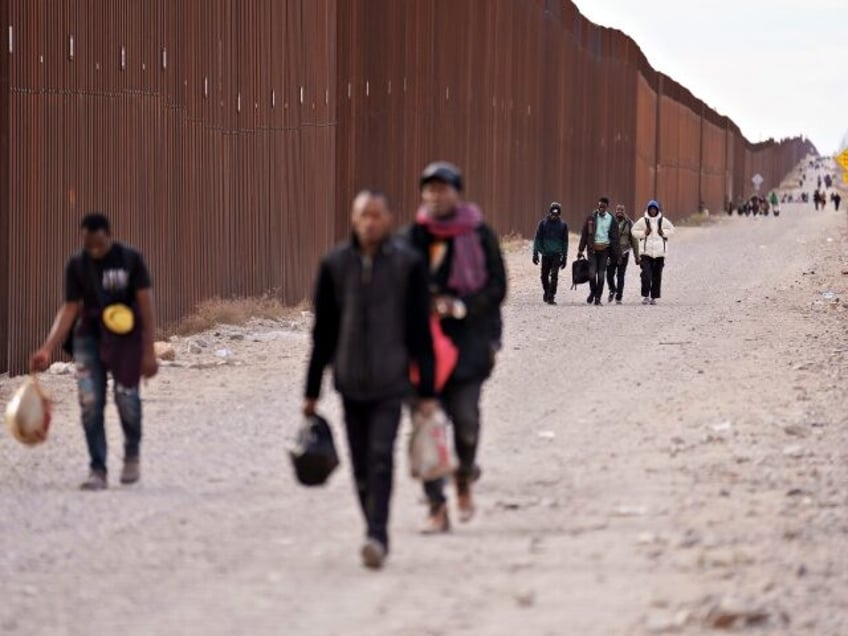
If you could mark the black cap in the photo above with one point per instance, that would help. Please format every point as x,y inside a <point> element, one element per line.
<point>555,208</point>
<point>444,172</point>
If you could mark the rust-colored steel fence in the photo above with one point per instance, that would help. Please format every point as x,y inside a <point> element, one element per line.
<point>225,138</point>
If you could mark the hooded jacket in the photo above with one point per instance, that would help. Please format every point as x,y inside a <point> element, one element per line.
<point>551,238</point>
<point>653,245</point>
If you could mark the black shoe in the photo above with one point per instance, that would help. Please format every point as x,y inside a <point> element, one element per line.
<point>590,299</point>
<point>552,301</point>
<point>598,302</point>
<point>611,297</point>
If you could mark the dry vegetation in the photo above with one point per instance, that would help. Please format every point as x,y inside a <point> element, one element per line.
<point>233,311</point>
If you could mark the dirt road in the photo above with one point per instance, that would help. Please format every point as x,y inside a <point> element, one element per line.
<point>641,464</point>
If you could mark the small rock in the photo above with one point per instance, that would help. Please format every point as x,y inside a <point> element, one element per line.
<point>237,336</point>
<point>722,427</point>
<point>223,353</point>
<point>731,613</point>
<point>549,435</point>
<point>194,348</point>
<point>795,451</point>
<point>630,511</point>
<point>164,351</point>
<point>526,599</point>
<point>795,430</point>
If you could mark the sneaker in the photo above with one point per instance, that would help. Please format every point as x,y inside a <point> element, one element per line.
<point>645,300</point>
<point>438,522</point>
<point>373,554</point>
<point>96,481</point>
<point>653,301</point>
<point>131,472</point>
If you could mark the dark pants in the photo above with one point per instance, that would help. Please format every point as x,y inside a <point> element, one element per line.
<point>652,269</point>
<point>371,431</point>
<point>461,402</point>
<point>550,274</point>
<point>615,275</point>
<point>597,271</point>
<point>91,385</point>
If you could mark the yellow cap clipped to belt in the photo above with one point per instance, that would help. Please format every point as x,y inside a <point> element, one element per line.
<point>118,319</point>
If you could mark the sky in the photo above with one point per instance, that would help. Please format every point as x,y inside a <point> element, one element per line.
<point>778,68</point>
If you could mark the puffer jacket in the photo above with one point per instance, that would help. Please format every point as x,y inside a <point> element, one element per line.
<point>653,245</point>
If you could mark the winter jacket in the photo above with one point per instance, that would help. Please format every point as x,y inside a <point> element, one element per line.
<point>587,236</point>
<point>478,335</point>
<point>372,319</point>
<point>626,238</point>
<point>653,245</point>
<point>551,238</point>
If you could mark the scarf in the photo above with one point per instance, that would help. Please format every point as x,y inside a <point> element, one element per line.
<point>468,268</point>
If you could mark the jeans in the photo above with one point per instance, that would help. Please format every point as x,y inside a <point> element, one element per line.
<point>652,269</point>
<point>91,386</point>
<point>550,274</point>
<point>461,402</point>
<point>371,431</point>
<point>615,276</point>
<point>597,271</point>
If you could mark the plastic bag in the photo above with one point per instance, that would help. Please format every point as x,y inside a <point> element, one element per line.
<point>28,413</point>
<point>429,454</point>
<point>313,454</point>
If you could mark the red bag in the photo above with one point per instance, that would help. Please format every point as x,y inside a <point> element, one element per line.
<point>445,352</point>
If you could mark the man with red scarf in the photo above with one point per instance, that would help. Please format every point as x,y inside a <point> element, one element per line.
<point>468,287</point>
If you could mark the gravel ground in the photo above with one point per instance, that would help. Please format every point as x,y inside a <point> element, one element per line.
<point>646,470</point>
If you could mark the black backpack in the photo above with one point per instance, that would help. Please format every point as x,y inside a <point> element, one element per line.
<point>313,454</point>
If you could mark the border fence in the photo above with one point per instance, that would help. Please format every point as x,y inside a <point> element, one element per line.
<point>226,138</point>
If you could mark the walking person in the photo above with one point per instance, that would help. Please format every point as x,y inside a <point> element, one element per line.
<point>653,231</point>
<point>617,270</point>
<point>107,319</point>
<point>601,240</point>
<point>837,200</point>
<point>372,321</point>
<point>552,243</point>
<point>468,287</point>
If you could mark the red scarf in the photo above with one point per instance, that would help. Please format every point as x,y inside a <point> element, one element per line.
<point>468,269</point>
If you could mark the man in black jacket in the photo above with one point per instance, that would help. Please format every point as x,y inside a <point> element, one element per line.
<point>552,243</point>
<point>372,321</point>
<point>468,286</point>
<point>601,239</point>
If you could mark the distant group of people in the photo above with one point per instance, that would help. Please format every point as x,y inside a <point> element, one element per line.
<point>756,205</point>
<point>607,241</point>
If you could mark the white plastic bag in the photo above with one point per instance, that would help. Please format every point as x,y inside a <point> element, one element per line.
<point>28,413</point>
<point>429,453</point>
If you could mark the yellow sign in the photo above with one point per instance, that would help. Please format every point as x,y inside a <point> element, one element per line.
<point>845,177</point>
<point>842,159</point>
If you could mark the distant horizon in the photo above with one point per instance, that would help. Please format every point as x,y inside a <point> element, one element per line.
<point>789,71</point>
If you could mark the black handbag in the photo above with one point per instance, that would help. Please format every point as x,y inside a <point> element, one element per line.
<point>579,272</point>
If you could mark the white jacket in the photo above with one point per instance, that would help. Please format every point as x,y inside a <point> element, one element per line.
<point>653,245</point>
